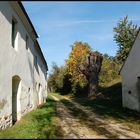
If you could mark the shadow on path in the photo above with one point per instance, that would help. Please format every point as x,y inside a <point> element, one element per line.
<point>95,121</point>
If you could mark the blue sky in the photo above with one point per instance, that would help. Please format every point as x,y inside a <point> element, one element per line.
<point>60,24</point>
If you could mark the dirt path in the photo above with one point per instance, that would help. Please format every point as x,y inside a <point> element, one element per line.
<point>77,121</point>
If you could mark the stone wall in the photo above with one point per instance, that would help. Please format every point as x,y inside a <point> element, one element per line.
<point>5,121</point>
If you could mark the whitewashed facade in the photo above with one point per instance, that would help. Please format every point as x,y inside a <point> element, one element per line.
<point>130,73</point>
<point>23,69</point>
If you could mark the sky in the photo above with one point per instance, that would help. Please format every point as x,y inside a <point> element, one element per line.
<point>59,24</point>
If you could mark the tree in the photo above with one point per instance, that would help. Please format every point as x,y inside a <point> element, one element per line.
<point>84,66</point>
<point>52,85</point>
<point>109,70</point>
<point>91,70</point>
<point>125,34</point>
<point>59,80</point>
<point>63,80</point>
<point>76,58</point>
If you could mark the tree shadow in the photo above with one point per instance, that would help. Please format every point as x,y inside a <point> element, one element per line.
<point>81,92</point>
<point>94,124</point>
<point>111,105</point>
<point>113,92</point>
<point>92,121</point>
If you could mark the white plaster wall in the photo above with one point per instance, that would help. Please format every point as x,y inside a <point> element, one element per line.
<point>20,62</point>
<point>129,73</point>
<point>38,79</point>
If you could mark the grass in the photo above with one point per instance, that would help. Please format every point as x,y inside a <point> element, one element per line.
<point>112,106</point>
<point>57,95</point>
<point>109,108</point>
<point>37,124</point>
<point>113,110</point>
<point>42,123</point>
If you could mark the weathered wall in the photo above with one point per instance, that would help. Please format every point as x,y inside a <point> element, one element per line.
<point>130,73</point>
<point>20,63</point>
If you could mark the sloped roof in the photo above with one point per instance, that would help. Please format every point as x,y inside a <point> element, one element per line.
<point>26,15</point>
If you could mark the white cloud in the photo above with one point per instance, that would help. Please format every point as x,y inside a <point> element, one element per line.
<point>76,22</point>
<point>70,23</point>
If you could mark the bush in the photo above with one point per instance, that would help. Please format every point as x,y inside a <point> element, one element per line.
<point>109,70</point>
<point>59,80</point>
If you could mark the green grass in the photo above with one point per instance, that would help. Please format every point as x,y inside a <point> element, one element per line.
<point>109,108</point>
<point>56,95</point>
<point>112,106</point>
<point>36,124</point>
<point>112,109</point>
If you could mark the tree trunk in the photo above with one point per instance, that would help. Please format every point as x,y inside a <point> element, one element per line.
<point>91,70</point>
<point>93,84</point>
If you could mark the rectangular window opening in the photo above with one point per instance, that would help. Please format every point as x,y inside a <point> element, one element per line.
<point>14,33</point>
<point>27,42</point>
<point>35,61</point>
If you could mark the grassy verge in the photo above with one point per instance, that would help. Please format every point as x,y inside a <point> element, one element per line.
<point>36,124</point>
<point>57,95</point>
<point>111,108</point>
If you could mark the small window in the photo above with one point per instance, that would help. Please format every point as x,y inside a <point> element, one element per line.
<point>129,92</point>
<point>27,42</point>
<point>29,89</point>
<point>14,33</point>
<point>138,77</point>
<point>36,64</point>
<point>35,61</point>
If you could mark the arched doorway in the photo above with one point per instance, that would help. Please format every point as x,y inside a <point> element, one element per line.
<point>39,93</point>
<point>16,91</point>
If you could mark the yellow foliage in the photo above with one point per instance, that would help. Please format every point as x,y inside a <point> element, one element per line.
<point>76,58</point>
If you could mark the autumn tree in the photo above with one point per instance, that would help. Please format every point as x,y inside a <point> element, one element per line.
<point>59,80</point>
<point>76,58</point>
<point>125,34</point>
